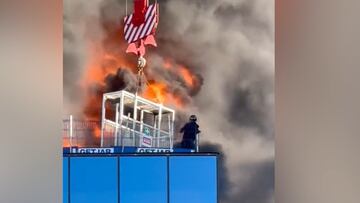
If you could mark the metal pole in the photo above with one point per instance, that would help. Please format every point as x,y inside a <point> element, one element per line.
<point>169,128</point>
<point>135,117</point>
<point>197,142</point>
<point>116,123</point>
<point>141,127</point>
<point>121,116</point>
<point>102,121</point>
<point>159,126</point>
<point>172,130</point>
<point>71,131</point>
<point>127,128</point>
<point>154,129</point>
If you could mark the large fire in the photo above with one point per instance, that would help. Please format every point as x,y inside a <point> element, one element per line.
<point>157,91</point>
<point>107,57</point>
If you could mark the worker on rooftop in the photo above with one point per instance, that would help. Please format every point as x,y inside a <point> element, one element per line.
<point>190,130</point>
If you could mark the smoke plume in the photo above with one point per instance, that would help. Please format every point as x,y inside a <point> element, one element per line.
<point>214,58</point>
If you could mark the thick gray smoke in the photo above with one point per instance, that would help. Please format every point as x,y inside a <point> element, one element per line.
<point>229,46</point>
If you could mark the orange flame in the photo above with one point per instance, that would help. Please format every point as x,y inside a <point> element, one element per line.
<point>66,142</point>
<point>103,64</point>
<point>97,131</point>
<point>187,76</point>
<point>105,60</point>
<point>156,91</point>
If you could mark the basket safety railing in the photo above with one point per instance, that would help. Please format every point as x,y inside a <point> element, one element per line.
<point>129,133</point>
<point>135,134</point>
<point>80,132</point>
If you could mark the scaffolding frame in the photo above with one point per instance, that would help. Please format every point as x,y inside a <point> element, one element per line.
<point>132,125</point>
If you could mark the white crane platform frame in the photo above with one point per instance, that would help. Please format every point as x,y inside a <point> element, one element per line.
<point>130,120</point>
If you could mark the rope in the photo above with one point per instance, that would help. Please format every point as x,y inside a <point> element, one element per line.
<point>126,7</point>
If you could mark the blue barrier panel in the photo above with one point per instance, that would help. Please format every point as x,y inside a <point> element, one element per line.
<point>143,179</point>
<point>93,179</point>
<point>193,179</point>
<point>65,180</point>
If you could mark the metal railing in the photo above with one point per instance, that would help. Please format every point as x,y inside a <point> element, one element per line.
<point>86,133</point>
<point>80,132</point>
<point>131,133</point>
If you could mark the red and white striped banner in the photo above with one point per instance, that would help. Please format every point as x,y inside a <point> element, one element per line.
<point>134,33</point>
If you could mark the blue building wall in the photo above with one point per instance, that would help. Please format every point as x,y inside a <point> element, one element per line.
<point>65,180</point>
<point>93,179</point>
<point>193,177</point>
<point>140,179</point>
<point>143,179</point>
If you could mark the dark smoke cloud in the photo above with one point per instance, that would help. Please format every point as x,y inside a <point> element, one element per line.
<point>229,45</point>
<point>223,175</point>
<point>76,20</point>
<point>260,187</point>
<point>123,79</point>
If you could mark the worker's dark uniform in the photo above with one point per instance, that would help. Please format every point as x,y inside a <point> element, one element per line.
<point>190,130</point>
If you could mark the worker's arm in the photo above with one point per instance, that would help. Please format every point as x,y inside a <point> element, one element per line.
<point>182,129</point>
<point>197,129</point>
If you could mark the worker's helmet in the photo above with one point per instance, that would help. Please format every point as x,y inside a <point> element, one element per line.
<point>193,118</point>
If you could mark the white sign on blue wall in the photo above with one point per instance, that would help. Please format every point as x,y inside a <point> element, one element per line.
<point>93,150</point>
<point>153,150</point>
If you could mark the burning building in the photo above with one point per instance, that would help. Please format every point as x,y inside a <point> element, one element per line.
<point>214,58</point>
<point>129,156</point>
